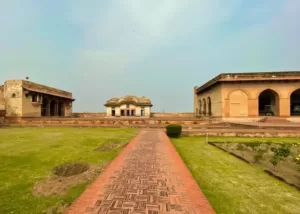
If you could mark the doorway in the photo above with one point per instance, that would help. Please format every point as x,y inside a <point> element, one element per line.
<point>268,103</point>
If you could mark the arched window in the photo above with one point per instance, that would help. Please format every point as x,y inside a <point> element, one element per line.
<point>204,107</point>
<point>200,108</point>
<point>208,106</point>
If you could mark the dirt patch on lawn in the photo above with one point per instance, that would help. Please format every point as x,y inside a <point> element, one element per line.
<point>108,146</point>
<point>69,169</point>
<point>65,177</point>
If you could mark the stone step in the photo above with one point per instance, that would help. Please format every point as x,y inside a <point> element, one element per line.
<point>273,120</point>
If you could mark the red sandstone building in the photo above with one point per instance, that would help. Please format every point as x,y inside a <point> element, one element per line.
<point>249,95</point>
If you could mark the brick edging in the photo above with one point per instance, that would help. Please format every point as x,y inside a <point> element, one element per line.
<point>90,196</point>
<point>198,199</point>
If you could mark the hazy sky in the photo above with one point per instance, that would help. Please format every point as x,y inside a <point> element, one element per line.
<point>156,48</point>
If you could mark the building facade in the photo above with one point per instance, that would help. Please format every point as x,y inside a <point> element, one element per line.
<point>234,95</point>
<point>21,98</point>
<point>128,106</point>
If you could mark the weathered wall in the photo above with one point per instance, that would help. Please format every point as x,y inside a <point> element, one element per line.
<point>2,100</point>
<point>252,91</point>
<point>30,109</point>
<point>172,114</point>
<point>68,111</point>
<point>138,112</point>
<point>118,111</point>
<point>108,122</point>
<point>13,94</point>
<point>88,115</point>
<point>147,111</point>
<point>216,101</point>
<point>109,109</point>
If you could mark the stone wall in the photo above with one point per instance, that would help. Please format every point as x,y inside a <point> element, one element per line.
<point>172,114</point>
<point>212,95</point>
<point>89,115</point>
<point>153,115</point>
<point>13,93</point>
<point>106,122</point>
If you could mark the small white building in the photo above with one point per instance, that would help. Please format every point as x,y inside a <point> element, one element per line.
<point>128,106</point>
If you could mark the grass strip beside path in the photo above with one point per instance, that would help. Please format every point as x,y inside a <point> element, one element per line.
<point>233,186</point>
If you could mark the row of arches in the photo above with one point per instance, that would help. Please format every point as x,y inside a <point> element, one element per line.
<point>205,107</point>
<point>268,103</point>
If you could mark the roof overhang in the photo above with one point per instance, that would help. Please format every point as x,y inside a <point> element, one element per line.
<point>48,93</point>
<point>250,77</point>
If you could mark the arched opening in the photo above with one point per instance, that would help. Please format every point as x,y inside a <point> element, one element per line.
<point>44,107</point>
<point>204,107</point>
<point>238,104</point>
<point>61,109</point>
<point>200,108</point>
<point>53,106</point>
<point>295,103</point>
<point>268,103</point>
<point>208,106</point>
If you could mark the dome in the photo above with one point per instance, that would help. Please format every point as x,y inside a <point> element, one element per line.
<point>129,99</point>
<point>112,100</point>
<point>144,100</point>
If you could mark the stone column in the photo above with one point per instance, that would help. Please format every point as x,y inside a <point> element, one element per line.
<point>284,107</point>
<point>253,107</point>
<point>138,111</point>
<point>48,108</point>
<point>56,108</point>
<point>118,111</point>
<point>225,109</point>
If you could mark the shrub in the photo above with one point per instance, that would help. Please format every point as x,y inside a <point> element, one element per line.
<point>174,130</point>
<point>297,160</point>
<point>259,155</point>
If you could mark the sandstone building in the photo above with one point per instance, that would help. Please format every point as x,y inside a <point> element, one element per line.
<point>128,106</point>
<point>21,98</point>
<point>240,95</point>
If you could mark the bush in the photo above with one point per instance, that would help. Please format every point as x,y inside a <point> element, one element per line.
<point>174,130</point>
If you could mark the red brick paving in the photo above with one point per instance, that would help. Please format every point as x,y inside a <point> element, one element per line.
<point>147,177</point>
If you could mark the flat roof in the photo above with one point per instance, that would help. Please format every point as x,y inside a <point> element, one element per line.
<point>253,76</point>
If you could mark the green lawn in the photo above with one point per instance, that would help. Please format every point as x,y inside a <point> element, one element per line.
<point>27,155</point>
<point>233,186</point>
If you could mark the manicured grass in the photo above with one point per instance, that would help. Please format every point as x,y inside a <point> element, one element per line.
<point>233,186</point>
<point>27,155</point>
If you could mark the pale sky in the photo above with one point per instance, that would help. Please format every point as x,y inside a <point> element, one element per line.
<point>155,48</point>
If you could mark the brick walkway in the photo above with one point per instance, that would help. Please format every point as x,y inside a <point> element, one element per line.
<point>147,177</point>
